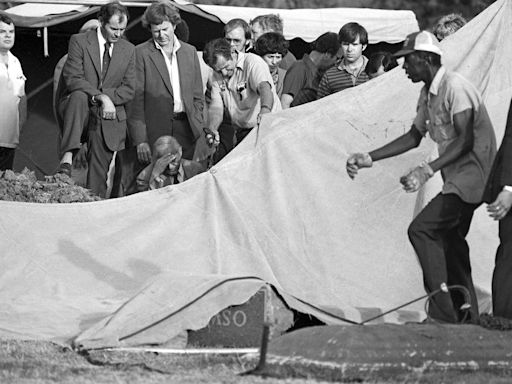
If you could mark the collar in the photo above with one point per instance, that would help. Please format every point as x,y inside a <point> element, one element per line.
<point>10,58</point>
<point>309,63</point>
<point>436,81</point>
<point>175,45</point>
<point>342,65</point>
<point>181,173</point>
<point>101,39</point>
<point>240,60</point>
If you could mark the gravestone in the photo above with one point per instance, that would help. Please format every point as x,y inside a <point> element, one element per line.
<point>241,326</point>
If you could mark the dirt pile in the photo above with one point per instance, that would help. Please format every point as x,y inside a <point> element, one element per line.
<point>25,187</point>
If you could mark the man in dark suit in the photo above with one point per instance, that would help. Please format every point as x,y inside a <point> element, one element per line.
<point>167,166</point>
<point>169,96</point>
<point>498,194</point>
<point>99,76</point>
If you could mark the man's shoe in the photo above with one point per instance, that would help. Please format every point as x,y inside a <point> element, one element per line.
<point>65,169</point>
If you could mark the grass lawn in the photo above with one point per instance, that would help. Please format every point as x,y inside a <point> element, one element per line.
<point>45,362</point>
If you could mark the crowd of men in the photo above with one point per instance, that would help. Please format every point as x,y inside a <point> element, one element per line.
<point>113,100</point>
<point>143,110</point>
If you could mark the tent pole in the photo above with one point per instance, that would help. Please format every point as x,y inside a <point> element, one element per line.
<point>128,3</point>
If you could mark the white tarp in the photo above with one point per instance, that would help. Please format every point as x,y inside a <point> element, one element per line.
<point>46,9</point>
<point>279,208</point>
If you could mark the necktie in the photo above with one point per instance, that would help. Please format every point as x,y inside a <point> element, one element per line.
<point>106,61</point>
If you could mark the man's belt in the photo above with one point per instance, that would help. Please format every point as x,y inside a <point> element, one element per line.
<point>179,116</point>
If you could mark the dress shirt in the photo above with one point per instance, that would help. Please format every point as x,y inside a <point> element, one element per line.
<point>174,74</point>
<point>102,42</point>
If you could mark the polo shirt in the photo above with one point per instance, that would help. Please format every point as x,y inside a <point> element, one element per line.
<point>448,94</point>
<point>287,61</point>
<point>278,78</point>
<point>239,94</point>
<point>338,78</point>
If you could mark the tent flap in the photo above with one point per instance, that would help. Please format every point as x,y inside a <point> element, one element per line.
<point>383,25</point>
<point>47,15</point>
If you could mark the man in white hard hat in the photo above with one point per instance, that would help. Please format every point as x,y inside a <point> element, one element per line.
<point>451,110</point>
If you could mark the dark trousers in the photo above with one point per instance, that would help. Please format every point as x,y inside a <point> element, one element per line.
<point>99,157</point>
<point>6,158</point>
<point>438,235</point>
<point>502,276</point>
<point>74,112</point>
<point>78,127</point>
<point>127,168</point>
<point>182,132</point>
<point>226,133</point>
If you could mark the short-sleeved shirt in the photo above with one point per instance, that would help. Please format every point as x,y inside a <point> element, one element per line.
<point>12,89</point>
<point>239,94</point>
<point>338,78</point>
<point>278,78</point>
<point>449,94</point>
<point>301,81</point>
<point>287,61</point>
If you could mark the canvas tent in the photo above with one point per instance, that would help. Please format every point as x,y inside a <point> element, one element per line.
<point>389,26</point>
<point>279,209</point>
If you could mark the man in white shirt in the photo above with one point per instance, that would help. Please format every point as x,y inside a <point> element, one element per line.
<point>241,85</point>
<point>12,95</point>
<point>169,96</point>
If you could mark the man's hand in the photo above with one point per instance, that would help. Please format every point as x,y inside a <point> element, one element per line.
<point>162,163</point>
<point>499,209</point>
<point>356,161</point>
<point>212,137</point>
<point>108,109</point>
<point>416,178</point>
<point>144,153</point>
<point>264,110</point>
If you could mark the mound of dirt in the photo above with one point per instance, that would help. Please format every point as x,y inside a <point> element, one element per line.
<point>58,188</point>
<point>495,322</point>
